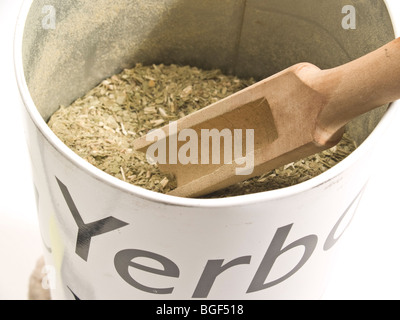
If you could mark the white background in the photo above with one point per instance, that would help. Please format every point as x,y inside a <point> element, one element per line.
<point>367,267</point>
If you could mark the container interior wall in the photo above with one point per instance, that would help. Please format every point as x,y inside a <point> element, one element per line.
<point>96,39</point>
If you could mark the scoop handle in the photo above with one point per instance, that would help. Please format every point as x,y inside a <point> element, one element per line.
<point>357,87</point>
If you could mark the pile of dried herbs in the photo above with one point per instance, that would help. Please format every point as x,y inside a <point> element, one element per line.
<point>101,126</point>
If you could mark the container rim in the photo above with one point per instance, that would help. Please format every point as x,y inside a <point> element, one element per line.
<point>125,187</point>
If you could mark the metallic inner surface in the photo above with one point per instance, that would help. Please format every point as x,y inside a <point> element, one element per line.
<point>93,40</point>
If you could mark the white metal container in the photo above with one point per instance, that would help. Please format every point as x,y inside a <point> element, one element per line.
<point>106,239</point>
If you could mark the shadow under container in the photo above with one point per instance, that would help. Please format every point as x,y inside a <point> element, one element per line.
<point>106,239</point>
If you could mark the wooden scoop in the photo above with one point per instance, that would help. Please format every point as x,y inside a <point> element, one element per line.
<point>296,113</point>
